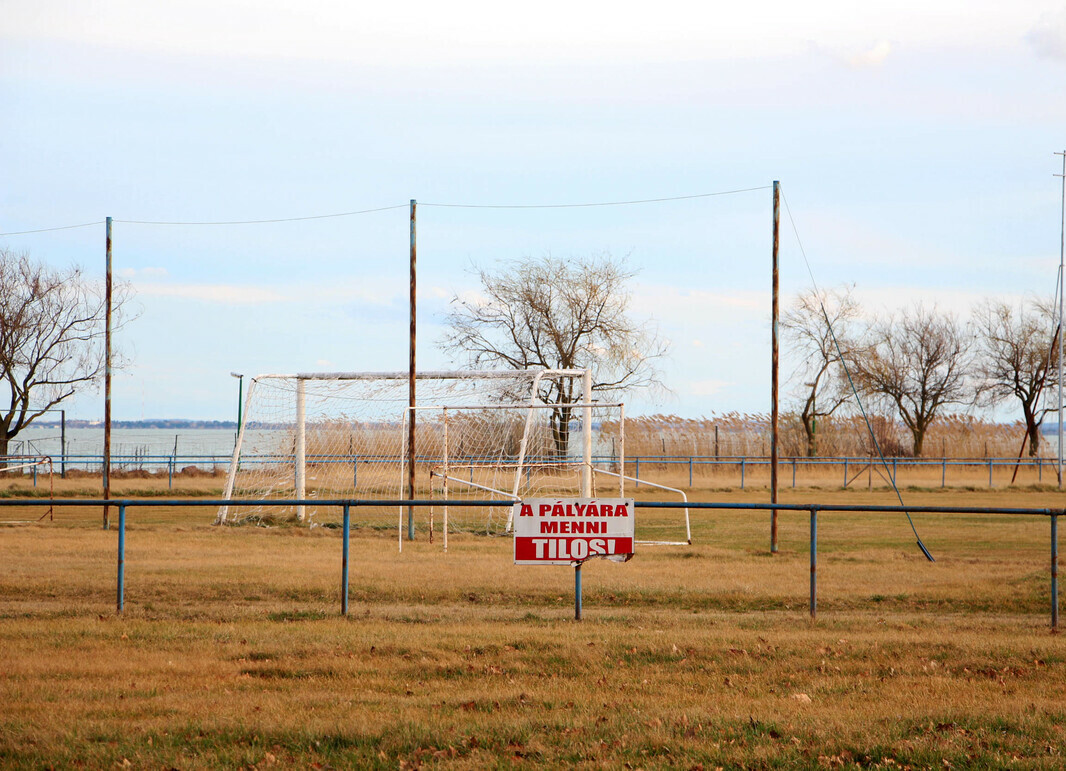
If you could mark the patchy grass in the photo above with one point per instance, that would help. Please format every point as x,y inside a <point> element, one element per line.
<point>232,652</point>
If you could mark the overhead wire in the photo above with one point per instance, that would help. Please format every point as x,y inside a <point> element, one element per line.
<point>586,205</point>
<point>49,230</point>
<point>851,382</point>
<point>180,223</point>
<point>267,221</point>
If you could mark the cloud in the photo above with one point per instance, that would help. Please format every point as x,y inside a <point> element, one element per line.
<point>679,309</point>
<point>143,273</point>
<point>871,57</point>
<point>217,293</point>
<point>706,387</point>
<point>425,32</point>
<point>875,301</point>
<point>1048,37</point>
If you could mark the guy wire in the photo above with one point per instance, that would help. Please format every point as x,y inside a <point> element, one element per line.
<point>851,383</point>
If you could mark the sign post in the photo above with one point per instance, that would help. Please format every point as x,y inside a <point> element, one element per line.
<point>569,531</point>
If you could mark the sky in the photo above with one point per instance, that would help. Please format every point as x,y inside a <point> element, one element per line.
<point>913,141</point>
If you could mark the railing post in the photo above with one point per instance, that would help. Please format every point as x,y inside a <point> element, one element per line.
<point>577,592</point>
<point>121,556</point>
<point>1055,571</point>
<point>990,472</point>
<point>893,472</point>
<point>636,470</point>
<point>690,471</point>
<point>944,472</point>
<point>742,473</point>
<point>793,473</point>
<point>845,473</point>
<point>814,563</point>
<point>344,560</point>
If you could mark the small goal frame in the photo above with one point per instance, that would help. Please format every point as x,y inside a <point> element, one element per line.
<point>520,464</point>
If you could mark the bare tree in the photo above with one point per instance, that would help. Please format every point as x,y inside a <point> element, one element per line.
<point>918,363</point>
<point>560,314</point>
<point>819,325</point>
<point>1015,347</point>
<point>51,338</point>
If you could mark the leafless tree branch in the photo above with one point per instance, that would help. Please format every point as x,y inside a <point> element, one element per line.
<point>51,337</point>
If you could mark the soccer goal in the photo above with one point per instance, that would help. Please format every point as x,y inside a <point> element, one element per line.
<point>346,435</point>
<point>478,435</point>
<point>517,451</point>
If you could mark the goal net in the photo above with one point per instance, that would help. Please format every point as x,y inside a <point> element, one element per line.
<point>347,436</point>
<point>512,452</point>
<point>478,436</point>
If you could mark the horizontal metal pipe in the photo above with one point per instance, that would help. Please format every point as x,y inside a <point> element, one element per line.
<point>392,502</point>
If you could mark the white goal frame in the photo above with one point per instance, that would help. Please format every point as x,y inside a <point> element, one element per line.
<point>535,376</point>
<point>585,463</point>
<point>529,401</point>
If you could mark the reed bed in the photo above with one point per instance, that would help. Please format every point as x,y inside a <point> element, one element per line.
<point>736,434</point>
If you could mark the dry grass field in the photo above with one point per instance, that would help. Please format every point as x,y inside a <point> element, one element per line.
<point>232,653</point>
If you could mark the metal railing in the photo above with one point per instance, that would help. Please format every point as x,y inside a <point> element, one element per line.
<point>850,468</point>
<point>346,506</point>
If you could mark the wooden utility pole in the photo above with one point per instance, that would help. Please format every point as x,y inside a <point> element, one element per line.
<point>411,387</point>
<point>1062,252</point>
<point>773,371</point>
<point>107,381</point>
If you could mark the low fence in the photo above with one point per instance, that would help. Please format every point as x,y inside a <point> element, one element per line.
<point>849,469</point>
<point>793,471</point>
<point>813,510</point>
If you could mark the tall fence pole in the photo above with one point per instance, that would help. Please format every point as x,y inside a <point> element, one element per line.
<point>773,370</point>
<point>814,563</point>
<point>344,560</point>
<point>411,381</point>
<point>577,592</point>
<point>121,558</point>
<point>1054,571</point>
<point>106,471</point>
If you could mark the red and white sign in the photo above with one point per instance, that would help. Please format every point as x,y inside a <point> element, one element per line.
<point>565,531</point>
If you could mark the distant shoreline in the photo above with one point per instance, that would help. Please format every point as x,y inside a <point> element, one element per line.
<point>157,423</point>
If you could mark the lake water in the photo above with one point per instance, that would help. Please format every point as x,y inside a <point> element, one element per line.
<point>148,446</point>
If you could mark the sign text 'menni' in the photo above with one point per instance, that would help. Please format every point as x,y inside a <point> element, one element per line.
<point>554,531</point>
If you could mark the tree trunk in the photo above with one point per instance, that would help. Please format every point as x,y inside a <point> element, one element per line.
<point>812,439</point>
<point>1033,430</point>
<point>561,431</point>
<point>4,444</point>
<point>919,440</point>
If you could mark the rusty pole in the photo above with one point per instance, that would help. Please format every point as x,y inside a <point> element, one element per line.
<point>106,473</point>
<point>1062,275</point>
<point>411,388</point>
<point>773,371</point>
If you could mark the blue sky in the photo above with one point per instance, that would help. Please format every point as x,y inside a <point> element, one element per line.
<point>913,141</point>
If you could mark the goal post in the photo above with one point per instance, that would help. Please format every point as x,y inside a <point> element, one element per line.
<point>300,432</point>
<point>522,455</point>
<point>497,435</point>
